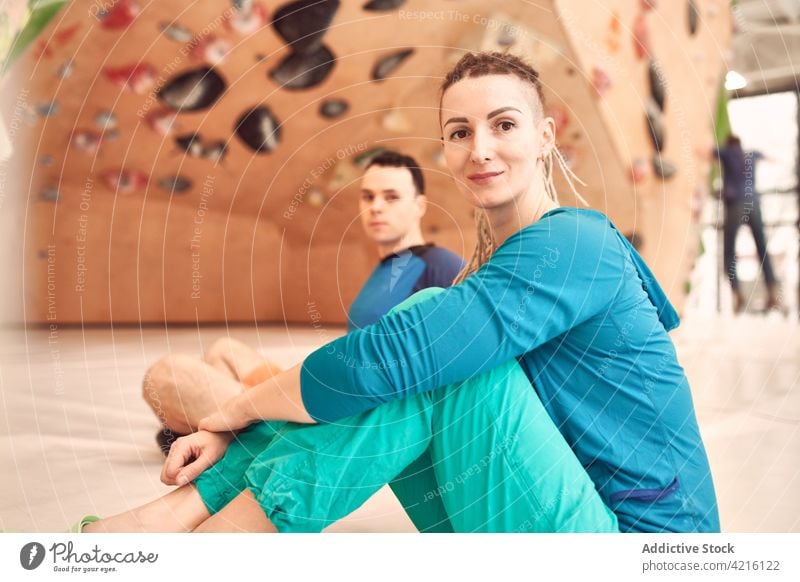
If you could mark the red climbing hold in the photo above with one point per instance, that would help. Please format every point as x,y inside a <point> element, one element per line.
<point>124,181</point>
<point>138,78</point>
<point>641,37</point>
<point>120,15</point>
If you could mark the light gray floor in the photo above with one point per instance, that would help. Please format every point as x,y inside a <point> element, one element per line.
<point>76,438</point>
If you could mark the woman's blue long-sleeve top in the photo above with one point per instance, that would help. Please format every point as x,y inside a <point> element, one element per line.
<point>571,299</point>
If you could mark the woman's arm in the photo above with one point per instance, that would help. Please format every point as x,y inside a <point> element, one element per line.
<point>542,282</point>
<point>277,398</point>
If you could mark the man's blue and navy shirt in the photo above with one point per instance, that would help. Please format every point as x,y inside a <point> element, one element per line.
<point>400,275</point>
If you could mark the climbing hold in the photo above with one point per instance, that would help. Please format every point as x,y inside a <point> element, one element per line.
<point>381,5</point>
<point>120,15</point>
<point>654,124</point>
<point>215,151</point>
<point>639,171</point>
<point>663,169</point>
<point>601,80</point>
<point>139,77</point>
<point>105,120</point>
<point>658,88</point>
<point>211,50</point>
<point>248,20</point>
<point>46,109</point>
<point>396,121</point>
<point>86,141</point>
<point>386,66</point>
<point>124,181</point>
<point>361,160</point>
<point>613,35</point>
<point>163,121</point>
<point>641,36</point>
<point>647,5</point>
<point>304,70</point>
<point>191,144</point>
<point>560,117</point>
<point>49,194</point>
<point>332,108</point>
<point>302,24</point>
<point>315,197</point>
<point>571,156</point>
<point>176,32</point>
<point>65,69</point>
<point>693,17</point>
<point>259,129</point>
<point>175,184</point>
<point>193,90</point>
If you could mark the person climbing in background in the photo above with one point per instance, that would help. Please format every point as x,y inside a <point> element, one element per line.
<point>182,389</point>
<point>742,206</point>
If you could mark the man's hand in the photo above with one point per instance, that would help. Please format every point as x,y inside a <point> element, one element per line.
<point>192,454</point>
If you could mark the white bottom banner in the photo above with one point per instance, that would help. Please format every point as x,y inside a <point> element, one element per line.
<point>400,557</point>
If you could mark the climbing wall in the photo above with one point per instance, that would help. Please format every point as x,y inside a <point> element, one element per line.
<point>200,162</point>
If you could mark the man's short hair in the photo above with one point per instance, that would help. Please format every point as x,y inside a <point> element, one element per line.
<point>398,160</point>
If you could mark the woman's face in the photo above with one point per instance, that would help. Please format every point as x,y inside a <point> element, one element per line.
<point>494,132</point>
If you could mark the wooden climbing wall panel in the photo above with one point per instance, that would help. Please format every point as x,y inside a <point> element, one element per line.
<point>200,162</point>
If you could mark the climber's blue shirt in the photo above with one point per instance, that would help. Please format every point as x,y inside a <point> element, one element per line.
<point>572,300</point>
<point>400,275</point>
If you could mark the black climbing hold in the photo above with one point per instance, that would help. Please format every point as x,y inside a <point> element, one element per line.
<point>193,90</point>
<point>215,151</point>
<point>175,184</point>
<point>259,129</point>
<point>304,70</point>
<point>658,88</point>
<point>381,5</point>
<point>361,160</point>
<point>662,168</point>
<point>176,32</point>
<point>387,65</point>
<point>694,17</point>
<point>191,144</point>
<point>654,124</point>
<point>302,24</point>
<point>333,108</point>
<point>49,194</point>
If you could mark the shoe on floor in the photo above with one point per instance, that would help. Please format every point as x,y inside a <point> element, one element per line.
<point>78,527</point>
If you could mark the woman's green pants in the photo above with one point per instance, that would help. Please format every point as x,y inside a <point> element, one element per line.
<point>478,456</point>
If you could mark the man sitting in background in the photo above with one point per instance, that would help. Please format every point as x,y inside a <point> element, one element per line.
<point>182,389</point>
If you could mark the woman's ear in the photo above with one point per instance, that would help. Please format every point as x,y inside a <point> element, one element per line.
<point>547,128</point>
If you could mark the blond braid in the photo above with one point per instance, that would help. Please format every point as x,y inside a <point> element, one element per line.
<point>569,176</point>
<point>484,248</point>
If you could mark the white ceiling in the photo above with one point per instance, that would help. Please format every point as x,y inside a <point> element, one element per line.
<point>766,46</point>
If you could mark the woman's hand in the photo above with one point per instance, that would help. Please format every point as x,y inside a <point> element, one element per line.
<point>192,454</point>
<point>231,416</point>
